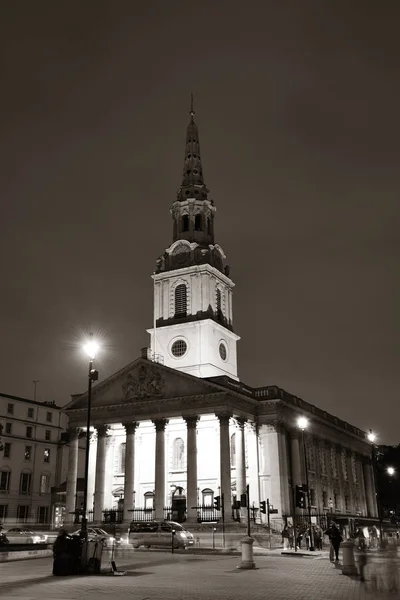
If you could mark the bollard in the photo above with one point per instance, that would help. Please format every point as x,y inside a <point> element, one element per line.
<point>247,554</point>
<point>348,566</point>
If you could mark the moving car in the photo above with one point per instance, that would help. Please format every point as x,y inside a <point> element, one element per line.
<point>97,534</point>
<point>159,533</point>
<point>17,535</point>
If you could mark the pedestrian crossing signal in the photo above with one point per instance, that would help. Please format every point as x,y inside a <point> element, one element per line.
<point>263,507</point>
<point>217,502</point>
<point>300,496</point>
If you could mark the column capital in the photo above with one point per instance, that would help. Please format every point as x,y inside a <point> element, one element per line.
<point>130,427</point>
<point>191,421</point>
<point>74,433</point>
<point>160,424</point>
<point>102,431</point>
<point>224,417</point>
<point>239,422</point>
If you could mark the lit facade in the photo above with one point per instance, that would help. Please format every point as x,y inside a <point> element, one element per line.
<point>176,427</point>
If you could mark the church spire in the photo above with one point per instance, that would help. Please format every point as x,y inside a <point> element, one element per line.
<point>192,178</point>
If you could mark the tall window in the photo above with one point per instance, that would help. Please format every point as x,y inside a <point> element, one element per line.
<point>149,500</point>
<point>185,223</point>
<point>325,499</point>
<point>344,464</point>
<point>219,302</point>
<point>30,413</point>
<point>3,511</point>
<point>43,514</point>
<point>198,223</point>
<point>47,435</point>
<point>178,455</point>
<point>122,453</point>
<point>233,450</point>
<point>28,452</point>
<point>333,461</point>
<point>313,498</point>
<point>10,409</point>
<point>22,513</point>
<point>9,428</point>
<point>180,300</point>
<point>208,497</point>
<point>5,481</point>
<point>49,417</point>
<point>29,432</point>
<point>46,455</point>
<point>7,450</point>
<point>44,484</point>
<point>25,483</point>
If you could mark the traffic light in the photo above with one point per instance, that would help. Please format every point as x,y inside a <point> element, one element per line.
<point>263,507</point>
<point>300,496</point>
<point>217,502</point>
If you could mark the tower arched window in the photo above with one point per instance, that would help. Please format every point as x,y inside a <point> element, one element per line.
<point>198,223</point>
<point>180,300</point>
<point>122,453</point>
<point>219,302</point>
<point>185,223</point>
<point>178,453</point>
<point>233,450</point>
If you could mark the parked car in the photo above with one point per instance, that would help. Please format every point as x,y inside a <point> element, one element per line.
<point>159,533</point>
<point>17,535</point>
<point>98,534</point>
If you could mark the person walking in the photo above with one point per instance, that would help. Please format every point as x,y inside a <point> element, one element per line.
<point>336,539</point>
<point>285,538</point>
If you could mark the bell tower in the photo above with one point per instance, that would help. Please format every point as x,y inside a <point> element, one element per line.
<point>193,321</point>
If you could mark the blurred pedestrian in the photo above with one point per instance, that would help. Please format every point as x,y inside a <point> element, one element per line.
<point>336,539</point>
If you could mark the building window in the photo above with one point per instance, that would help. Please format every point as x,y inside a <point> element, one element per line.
<point>207,497</point>
<point>313,499</point>
<point>325,499</point>
<point>47,435</point>
<point>46,455</point>
<point>180,300</point>
<point>49,417</point>
<point>43,514</point>
<point>198,223</point>
<point>3,512</point>
<point>8,428</point>
<point>10,409</point>
<point>22,513</point>
<point>7,450</point>
<point>25,483</point>
<point>28,452</point>
<point>149,500</point>
<point>122,454</point>
<point>219,302</point>
<point>29,432</point>
<point>185,223</point>
<point>179,348</point>
<point>333,462</point>
<point>344,465</point>
<point>354,468</point>
<point>30,413</point>
<point>5,481</point>
<point>336,501</point>
<point>346,502</point>
<point>233,450</point>
<point>178,455</point>
<point>222,351</point>
<point>44,484</point>
<point>322,461</point>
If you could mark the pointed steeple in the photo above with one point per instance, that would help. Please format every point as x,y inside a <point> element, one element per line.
<point>192,178</point>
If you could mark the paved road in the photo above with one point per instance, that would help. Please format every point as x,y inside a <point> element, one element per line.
<point>163,576</point>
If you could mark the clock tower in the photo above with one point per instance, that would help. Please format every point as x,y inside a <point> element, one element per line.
<point>193,330</point>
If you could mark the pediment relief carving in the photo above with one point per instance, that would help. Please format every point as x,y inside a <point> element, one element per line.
<point>143,383</point>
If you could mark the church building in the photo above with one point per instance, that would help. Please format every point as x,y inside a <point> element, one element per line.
<point>175,432</point>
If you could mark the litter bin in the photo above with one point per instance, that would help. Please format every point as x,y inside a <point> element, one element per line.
<point>92,551</point>
<point>67,556</point>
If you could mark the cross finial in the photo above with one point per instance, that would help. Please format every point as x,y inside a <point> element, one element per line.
<point>191,106</point>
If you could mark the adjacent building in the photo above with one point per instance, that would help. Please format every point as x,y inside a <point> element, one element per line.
<point>175,430</point>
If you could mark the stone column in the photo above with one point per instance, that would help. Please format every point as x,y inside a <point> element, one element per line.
<point>240,457</point>
<point>283,450</point>
<point>351,482</point>
<point>129,481</point>
<point>191,492</point>
<point>159,495</point>
<point>369,487</point>
<point>72,476</point>
<point>99,486</point>
<point>225,464</point>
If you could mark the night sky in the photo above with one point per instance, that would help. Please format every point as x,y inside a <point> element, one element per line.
<point>297,104</point>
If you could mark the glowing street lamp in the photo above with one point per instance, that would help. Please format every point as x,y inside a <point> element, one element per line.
<point>91,348</point>
<point>371,436</point>
<point>302,423</point>
<point>390,471</point>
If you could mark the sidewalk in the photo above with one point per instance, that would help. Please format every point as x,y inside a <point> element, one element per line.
<point>162,576</point>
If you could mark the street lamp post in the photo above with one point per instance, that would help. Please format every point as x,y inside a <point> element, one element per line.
<point>302,422</point>
<point>371,438</point>
<point>91,349</point>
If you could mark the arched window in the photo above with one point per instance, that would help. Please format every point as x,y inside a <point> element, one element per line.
<point>180,300</point>
<point>209,226</point>
<point>178,455</point>
<point>185,223</point>
<point>198,223</point>
<point>219,302</point>
<point>233,450</point>
<point>122,452</point>
<point>149,501</point>
<point>207,497</point>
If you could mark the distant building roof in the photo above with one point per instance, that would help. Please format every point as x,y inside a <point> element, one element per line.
<point>50,404</point>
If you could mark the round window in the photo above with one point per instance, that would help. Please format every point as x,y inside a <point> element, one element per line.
<point>179,348</point>
<point>222,351</point>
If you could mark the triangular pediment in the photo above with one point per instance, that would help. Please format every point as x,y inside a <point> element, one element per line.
<point>141,380</point>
